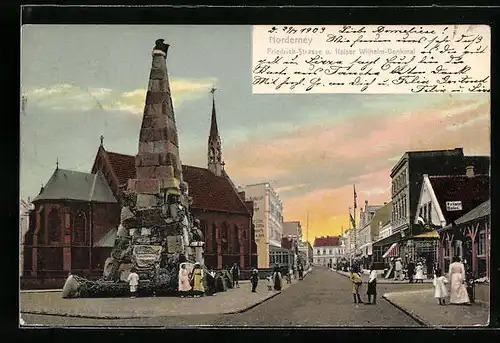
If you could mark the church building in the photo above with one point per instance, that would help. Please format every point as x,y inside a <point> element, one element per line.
<point>76,211</point>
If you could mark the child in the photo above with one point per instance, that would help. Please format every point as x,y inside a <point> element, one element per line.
<point>356,284</point>
<point>269,282</point>
<point>440,287</point>
<point>133,281</point>
<point>419,275</point>
<point>372,286</point>
<point>254,279</point>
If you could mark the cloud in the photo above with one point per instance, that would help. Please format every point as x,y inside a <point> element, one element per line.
<point>290,188</point>
<point>69,97</point>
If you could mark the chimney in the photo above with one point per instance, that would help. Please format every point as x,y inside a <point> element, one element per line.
<point>469,171</point>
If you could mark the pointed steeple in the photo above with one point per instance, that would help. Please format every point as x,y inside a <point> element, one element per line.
<point>214,131</point>
<point>215,163</point>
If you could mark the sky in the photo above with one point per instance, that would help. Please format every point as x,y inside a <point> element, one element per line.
<point>84,81</point>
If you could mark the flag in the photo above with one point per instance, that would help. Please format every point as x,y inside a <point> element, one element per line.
<point>355,196</point>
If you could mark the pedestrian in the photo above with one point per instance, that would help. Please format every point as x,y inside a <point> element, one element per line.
<point>440,291</point>
<point>197,280</point>
<point>133,281</point>
<point>429,267</point>
<point>254,279</point>
<point>456,276</point>
<point>356,284</point>
<point>277,279</point>
<point>419,274</point>
<point>372,286</point>
<point>289,277</point>
<point>269,280</point>
<point>301,272</point>
<point>184,285</point>
<point>398,269</point>
<point>235,273</point>
<point>411,271</point>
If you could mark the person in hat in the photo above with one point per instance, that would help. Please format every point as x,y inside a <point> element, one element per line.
<point>197,280</point>
<point>398,269</point>
<point>419,273</point>
<point>372,286</point>
<point>254,279</point>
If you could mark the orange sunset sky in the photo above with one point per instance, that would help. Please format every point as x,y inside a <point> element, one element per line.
<point>312,148</point>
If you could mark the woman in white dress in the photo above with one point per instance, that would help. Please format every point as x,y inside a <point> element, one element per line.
<point>419,274</point>
<point>440,291</point>
<point>456,276</point>
<point>184,284</point>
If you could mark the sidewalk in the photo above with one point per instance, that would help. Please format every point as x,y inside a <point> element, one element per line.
<point>234,300</point>
<point>423,307</point>
<point>380,280</point>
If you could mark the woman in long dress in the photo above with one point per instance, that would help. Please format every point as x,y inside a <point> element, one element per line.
<point>456,276</point>
<point>277,279</point>
<point>184,285</point>
<point>419,274</point>
<point>197,277</point>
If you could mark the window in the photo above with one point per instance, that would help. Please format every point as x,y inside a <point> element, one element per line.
<point>420,211</point>
<point>214,238</point>
<point>319,252</point>
<point>331,251</point>
<point>80,228</point>
<point>404,207</point>
<point>425,212</point>
<point>236,240</point>
<point>244,234</point>
<point>481,243</point>
<point>225,237</point>
<point>54,226</point>
<point>324,252</point>
<point>430,210</point>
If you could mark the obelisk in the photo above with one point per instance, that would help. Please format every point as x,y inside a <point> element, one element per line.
<point>158,167</point>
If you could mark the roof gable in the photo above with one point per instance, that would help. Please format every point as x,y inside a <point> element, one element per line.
<point>77,186</point>
<point>471,191</point>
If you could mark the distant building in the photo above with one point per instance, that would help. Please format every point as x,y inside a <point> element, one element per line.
<point>365,235</point>
<point>267,219</point>
<point>326,250</point>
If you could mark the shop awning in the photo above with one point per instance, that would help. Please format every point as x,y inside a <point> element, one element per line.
<point>391,249</point>
<point>430,234</point>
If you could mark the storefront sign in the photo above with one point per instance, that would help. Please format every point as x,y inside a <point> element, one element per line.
<point>453,206</point>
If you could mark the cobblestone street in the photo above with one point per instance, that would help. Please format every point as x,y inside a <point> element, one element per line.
<point>323,298</point>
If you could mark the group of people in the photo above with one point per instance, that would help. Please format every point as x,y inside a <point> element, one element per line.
<point>191,284</point>
<point>413,272</point>
<point>357,282</point>
<point>457,281</point>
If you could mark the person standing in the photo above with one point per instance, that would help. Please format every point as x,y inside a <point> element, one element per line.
<point>456,276</point>
<point>197,280</point>
<point>355,277</point>
<point>133,281</point>
<point>235,273</point>
<point>301,272</point>
<point>430,267</point>
<point>254,279</point>
<point>440,291</point>
<point>372,286</point>
<point>398,269</point>
<point>411,271</point>
<point>277,279</point>
<point>419,274</point>
<point>184,285</point>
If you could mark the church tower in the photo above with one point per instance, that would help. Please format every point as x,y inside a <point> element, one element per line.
<point>215,163</point>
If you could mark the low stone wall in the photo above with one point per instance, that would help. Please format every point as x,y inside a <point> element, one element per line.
<point>482,293</point>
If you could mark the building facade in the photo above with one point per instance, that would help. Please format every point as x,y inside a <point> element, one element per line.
<point>267,219</point>
<point>407,179</point>
<point>366,235</point>
<point>327,251</point>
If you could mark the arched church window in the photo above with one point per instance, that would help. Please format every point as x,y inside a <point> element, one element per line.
<point>41,231</point>
<point>236,241</point>
<point>214,238</point>
<point>54,226</point>
<point>244,234</point>
<point>80,228</point>
<point>224,238</point>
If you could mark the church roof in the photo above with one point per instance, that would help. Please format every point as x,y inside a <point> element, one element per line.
<point>209,192</point>
<point>73,185</point>
<point>214,131</point>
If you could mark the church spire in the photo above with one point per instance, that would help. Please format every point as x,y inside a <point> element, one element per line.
<point>215,163</point>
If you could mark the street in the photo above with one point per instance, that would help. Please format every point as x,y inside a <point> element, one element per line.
<point>323,298</point>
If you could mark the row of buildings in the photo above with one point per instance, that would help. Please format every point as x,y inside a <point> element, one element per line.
<point>439,208</point>
<point>71,225</point>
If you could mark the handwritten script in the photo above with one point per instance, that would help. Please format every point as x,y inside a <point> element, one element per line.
<point>371,59</point>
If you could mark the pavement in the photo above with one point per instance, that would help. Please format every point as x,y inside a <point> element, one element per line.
<point>236,300</point>
<point>423,307</point>
<point>380,279</point>
<point>322,298</point>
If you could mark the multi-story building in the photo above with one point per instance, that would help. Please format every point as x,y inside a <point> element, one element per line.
<point>365,234</point>
<point>327,250</point>
<point>267,219</point>
<point>306,253</point>
<point>407,176</point>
